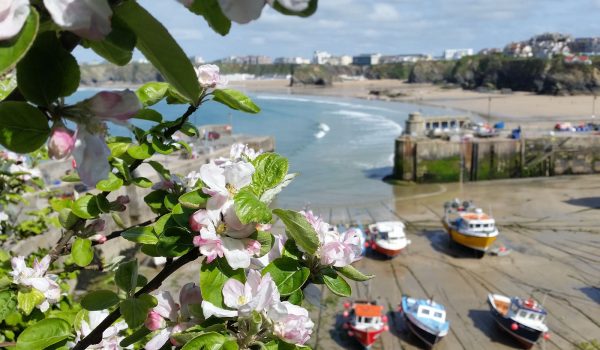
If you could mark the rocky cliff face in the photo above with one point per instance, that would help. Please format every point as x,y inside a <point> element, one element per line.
<point>499,72</point>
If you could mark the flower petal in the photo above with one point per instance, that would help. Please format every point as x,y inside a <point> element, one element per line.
<point>235,252</point>
<point>209,309</point>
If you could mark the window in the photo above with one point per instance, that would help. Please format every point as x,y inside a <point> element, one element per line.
<point>368,319</point>
<point>471,226</point>
<point>478,226</point>
<point>437,315</point>
<point>523,314</point>
<point>425,311</point>
<point>531,316</point>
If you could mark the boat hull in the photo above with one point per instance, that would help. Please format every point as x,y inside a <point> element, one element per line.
<point>366,337</point>
<point>390,253</point>
<point>427,337</point>
<point>481,244</point>
<point>525,335</point>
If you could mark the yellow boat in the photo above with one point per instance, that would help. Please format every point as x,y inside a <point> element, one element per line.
<point>469,226</point>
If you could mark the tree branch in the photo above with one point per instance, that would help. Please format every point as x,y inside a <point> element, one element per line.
<point>95,336</point>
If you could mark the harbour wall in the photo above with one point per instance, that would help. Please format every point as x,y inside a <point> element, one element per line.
<point>423,160</point>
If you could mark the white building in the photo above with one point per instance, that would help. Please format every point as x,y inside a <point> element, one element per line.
<point>197,60</point>
<point>456,54</point>
<point>291,60</point>
<point>321,57</point>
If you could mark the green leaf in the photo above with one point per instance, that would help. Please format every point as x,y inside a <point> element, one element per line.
<point>312,8</point>
<point>82,251</point>
<point>117,149</point>
<point>182,215</point>
<point>350,272</point>
<point>235,100</point>
<point>118,221</point>
<point>251,209</point>
<point>163,222</point>
<point>86,207</point>
<point>189,129</point>
<point>8,84</point>
<point>142,182</point>
<point>99,300</point>
<point>151,93</point>
<point>159,47</point>
<point>11,51</point>
<point>8,303</point>
<point>43,334</point>
<point>296,297</point>
<point>160,147</point>
<point>127,275</point>
<point>336,284</point>
<point>175,241</point>
<point>144,235</point>
<point>288,274</point>
<point>213,277</point>
<point>135,310</point>
<point>48,71</point>
<point>28,300</point>
<point>23,128</point>
<point>72,177</point>
<point>194,200</point>
<point>155,200</point>
<point>148,114</point>
<point>299,229</point>
<point>135,337</point>
<point>265,239</point>
<point>270,194</point>
<point>103,204</point>
<point>118,45</point>
<point>207,341</point>
<point>270,171</point>
<point>113,183</point>
<point>290,249</point>
<point>212,13</point>
<point>140,152</point>
<point>279,344</point>
<point>67,219</point>
<point>160,169</point>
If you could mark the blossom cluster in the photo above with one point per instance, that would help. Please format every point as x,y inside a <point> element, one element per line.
<point>37,279</point>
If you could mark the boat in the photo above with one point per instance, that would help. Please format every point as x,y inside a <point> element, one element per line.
<point>426,319</point>
<point>322,130</point>
<point>388,238</point>
<point>364,321</point>
<point>524,319</point>
<point>469,226</point>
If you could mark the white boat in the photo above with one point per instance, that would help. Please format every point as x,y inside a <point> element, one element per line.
<point>388,238</point>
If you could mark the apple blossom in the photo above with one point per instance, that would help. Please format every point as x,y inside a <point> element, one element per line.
<point>3,216</point>
<point>13,14</point>
<point>257,294</point>
<point>115,106</point>
<point>245,11</point>
<point>61,142</point>
<point>36,278</point>
<point>90,19</point>
<point>91,157</point>
<point>110,336</point>
<point>209,76</point>
<point>165,316</point>
<point>241,152</point>
<point>291,322</point>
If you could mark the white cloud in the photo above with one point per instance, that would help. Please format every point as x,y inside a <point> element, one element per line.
<point>384,13</point>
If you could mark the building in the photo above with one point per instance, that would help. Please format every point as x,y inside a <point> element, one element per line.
<point>518,50</point>
<point>544,46</point>
<point>291,60</point>
<point>405,58</point>
<point>197,60</point>
<point>578,59</point>
<point>343,60</point>
<point>588,46</point>
<point>366,59</point>
<point>456,54</point>
<point>321,57</point>
<point>247,60</point>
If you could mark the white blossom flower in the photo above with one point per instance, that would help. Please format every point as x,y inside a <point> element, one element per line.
<point>245,11</point>
<point>13,14</point>
<point>90,19</point>
<point>291,322</point>
<point>209,76</point>
<point>114,106</point>
<point>36,278</point>
<point>3,216</point>
<point>91,157</point>
<point>170,317</point>
<point>110,336</point>
<point>257,294</point>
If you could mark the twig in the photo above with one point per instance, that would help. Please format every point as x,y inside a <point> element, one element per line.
<point>95,336</point>
<point>170,131</point>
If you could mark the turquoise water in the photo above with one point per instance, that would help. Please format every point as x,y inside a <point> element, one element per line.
<point>344,167</point>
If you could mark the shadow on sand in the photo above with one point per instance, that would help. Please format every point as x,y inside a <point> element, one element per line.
<point>589,202</point>
<point>398,328</point>
<point>341,337</point>
<point>440,242</point>
<point>482,320</point>
<point>592,293</point>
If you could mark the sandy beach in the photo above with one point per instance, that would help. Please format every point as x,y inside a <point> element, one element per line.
<point>518,108</point>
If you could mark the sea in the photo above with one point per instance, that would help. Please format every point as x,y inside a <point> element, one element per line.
<point>341,147</point>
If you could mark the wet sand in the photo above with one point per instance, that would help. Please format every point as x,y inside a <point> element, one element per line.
<point>551,226</point>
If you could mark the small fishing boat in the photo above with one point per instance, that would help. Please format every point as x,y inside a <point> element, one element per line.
<point>388,238</point>
<point>524,319</point>
<point>426,319</point>
<point>364,321</point>
<point>469,226</point>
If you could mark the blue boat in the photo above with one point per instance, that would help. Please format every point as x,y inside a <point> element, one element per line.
<point>426,319</point>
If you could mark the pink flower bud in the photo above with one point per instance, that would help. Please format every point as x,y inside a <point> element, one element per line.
<point>122,200</point>
<point>13,14</point>
<point>116,106</point>
<point>89,19</point>
<point>99,238</point>
<point>61,142</point>
<point>154,321</point>
<point>253,247</point>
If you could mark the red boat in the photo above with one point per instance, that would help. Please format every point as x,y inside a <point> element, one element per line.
<point>388,238</point>
<point>365,321</point>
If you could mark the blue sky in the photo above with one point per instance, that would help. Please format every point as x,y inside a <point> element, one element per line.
<point>390,26</point>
